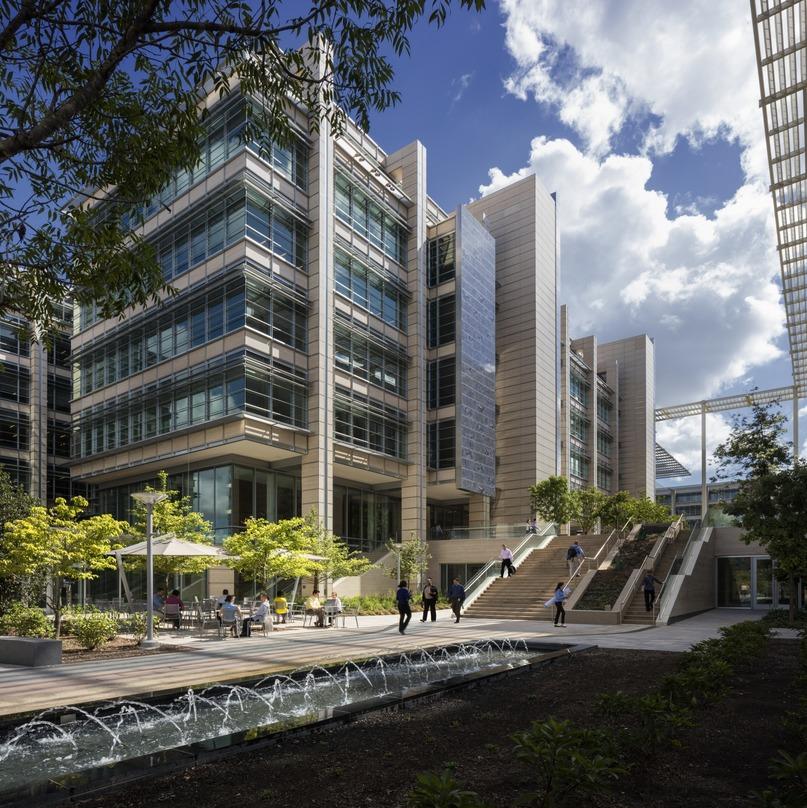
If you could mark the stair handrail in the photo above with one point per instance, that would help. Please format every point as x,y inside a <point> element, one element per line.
<point>482,575</point>
<point>615,535</point>
<point>648,562</point>
<point>682,555</point>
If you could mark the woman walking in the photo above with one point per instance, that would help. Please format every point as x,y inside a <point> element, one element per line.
<point>557,598</point>
<point>403,596</point>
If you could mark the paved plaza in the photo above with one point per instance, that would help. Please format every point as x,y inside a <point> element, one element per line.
<point>203,661</point>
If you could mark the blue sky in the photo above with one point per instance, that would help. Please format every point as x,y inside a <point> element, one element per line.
<point>648,128</point>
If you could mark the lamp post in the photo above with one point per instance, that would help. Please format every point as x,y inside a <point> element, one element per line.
<point>149,499</point>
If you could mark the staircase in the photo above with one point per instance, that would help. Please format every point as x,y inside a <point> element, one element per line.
<point>635,611</point>
<point>522,597</point>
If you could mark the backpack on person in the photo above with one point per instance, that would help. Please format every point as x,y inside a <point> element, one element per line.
<point>571,553</point>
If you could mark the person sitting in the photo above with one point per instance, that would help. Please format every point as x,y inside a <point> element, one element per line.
<point>230,613</point>
<point>333,607</point>
<point>172,599</point>
<point>158,601</point>
<point>281,606</point>
<point>314,608</point>
<point>259,616</point>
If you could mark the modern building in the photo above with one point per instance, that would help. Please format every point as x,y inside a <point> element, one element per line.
<point>686,499</point>
<point>336,342</point>
<point>607,406</point>
<point>35,390</point>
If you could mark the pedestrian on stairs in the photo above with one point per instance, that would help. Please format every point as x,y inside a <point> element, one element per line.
<point>649,586</point>
<point>506,555</point>
<point>456,594</point>
<point>572,558</point>
<point>561,593</point>
<point>428,600</point>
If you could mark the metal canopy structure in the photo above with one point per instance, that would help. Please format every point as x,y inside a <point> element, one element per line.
<point>780,36</point>
<point>725,403</point>
<point>668,466</point>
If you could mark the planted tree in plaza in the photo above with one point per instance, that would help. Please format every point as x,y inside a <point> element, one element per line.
<point>552,500</point>
<point>755,446</point>
<point>588,506</point>
<point>412,557</point>
<point>57,545</point>
<point>265,550</point>
<point>773,509</point>
<point>105,95</point>
<point>648,511</point>
<point>617,509</point>
<point>175,515</point>
<point>15,503</point>
<point>335,558</point>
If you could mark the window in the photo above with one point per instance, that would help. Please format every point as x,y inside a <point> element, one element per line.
<point>363,423</point>
<point>578,389</point>
<point>369,290</point>
<point>441,259</point>
<point>578,465</point>
<point>441,448</point>
<point>442,316</point>
<point>604,444</point>
<point>381,366</point>
<point>578,426</point>
<point>441,383</point>
<point>603,479</point>
<point>354,207</point>
<point>15,383</point>
<point>604,408</point>
<point>14,430</point>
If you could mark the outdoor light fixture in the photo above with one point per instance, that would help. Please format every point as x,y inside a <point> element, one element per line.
<point>149,499</point>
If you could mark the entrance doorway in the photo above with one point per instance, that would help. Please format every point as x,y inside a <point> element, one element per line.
<point>747,582</point>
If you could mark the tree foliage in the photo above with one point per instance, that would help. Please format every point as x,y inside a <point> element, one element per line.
<point>755,446</point>
<point>88,90</point>
<point>773,509</point>
<point>175,515</point>
<point>414,557</point>
<point>15,503</point>
<point>57,544</point>
<point>337,559</point>
<point>617,509</point>
<point>646,510</point>
<point>588,504</point>
<point>552,500</point>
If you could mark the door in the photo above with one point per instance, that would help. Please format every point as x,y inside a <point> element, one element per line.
<point>745,582</point>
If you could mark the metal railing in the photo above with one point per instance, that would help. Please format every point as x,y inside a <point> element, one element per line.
<point>491,569</point>
<point>675,568</point>
<point>495,532</point>
<point>611,541</point>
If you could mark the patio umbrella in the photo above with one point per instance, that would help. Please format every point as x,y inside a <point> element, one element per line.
<point>169,545</point>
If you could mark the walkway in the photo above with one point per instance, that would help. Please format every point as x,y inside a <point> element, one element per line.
<point>207,661</point>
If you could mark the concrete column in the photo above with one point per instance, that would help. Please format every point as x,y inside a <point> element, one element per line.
<point>795,424</point>
<point>38,415</point>
<point>704,492</point>
<point>479,511</point>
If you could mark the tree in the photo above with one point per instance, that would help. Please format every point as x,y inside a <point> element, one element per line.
<point>755,446</point>
<point>773,508</point>
<point>57,544</point>
<point>337,559</point>
<point>588,504</point>
<point>89,90</point>
<point>412,558</point>
<point>15,503</point>
<point>175,515</point>
<point>617,509</point>
<point>552,500</point>
<point>646,510</point>
<point>266,550</point>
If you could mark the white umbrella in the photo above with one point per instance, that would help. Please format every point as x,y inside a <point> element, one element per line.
<point>169,545</point>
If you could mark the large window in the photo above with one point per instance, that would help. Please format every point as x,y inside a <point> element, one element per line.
<point>370,290</point>
<point>578,426</point>
<point>442,321</point>
<point>355,207</point>
<point>578,465</point>
<point>367,424</point>
<point>365,519</point>
<point>448,572</point>
<point>441,444</point>
<point>174,405</point>
<point>578,389</point>
<point>15,383</point>
<point>14,430</point>
<point>59,438</point>
<point>10,342</point>
<point>366,359</point>
<point>604,408</point>
<point>604,444</point>
<point>189,324</point>
<point>603,478</point>
<point>441,259</point>
<point>441,382</point>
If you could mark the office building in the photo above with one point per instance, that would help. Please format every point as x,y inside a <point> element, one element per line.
<point>337,343</point>
<point>686,499</point>
<point>607,418</point>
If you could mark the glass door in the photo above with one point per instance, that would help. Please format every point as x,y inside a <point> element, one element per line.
<point>763,583</point>
<point>745,582</point>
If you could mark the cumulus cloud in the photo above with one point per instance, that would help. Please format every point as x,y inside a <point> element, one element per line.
<point>682,439</point>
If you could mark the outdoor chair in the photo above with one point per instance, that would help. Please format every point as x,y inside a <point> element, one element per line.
<point>172,613</point>
<point>205,619</point>
<point>228,626</point>
<point>265,626</point>
<point>348,614</point>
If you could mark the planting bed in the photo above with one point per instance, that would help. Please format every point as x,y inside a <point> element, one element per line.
<point>374,760</point>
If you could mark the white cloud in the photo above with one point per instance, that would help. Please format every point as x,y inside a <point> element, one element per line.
<point>459,86</point>
<point>682,439</point>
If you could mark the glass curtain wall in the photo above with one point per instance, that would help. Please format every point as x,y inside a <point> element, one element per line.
<point>366,520</point>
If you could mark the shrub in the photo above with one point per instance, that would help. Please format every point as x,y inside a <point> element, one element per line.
<point>789,774</point>
<point>25,621</point>
<point>384,604</point>
<point>699,682</point>
<point>94,629</point>
<point>744,641</point>
<point>780,618</point>
<point>565,759</point>
<point>135,624</point>
<point>441,791</point>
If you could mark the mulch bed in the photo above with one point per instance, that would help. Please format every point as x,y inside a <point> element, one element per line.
<point>374,760</point>
<point>118,648</point>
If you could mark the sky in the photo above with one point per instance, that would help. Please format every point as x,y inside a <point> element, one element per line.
<point>643,116</point>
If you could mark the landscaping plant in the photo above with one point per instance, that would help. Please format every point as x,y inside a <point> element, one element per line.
<point>25,621</point>
<point>441,791</point>
<point>94,629</point>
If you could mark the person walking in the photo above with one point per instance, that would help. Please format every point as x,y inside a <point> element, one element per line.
<point>574,558</point>
<point>402,597</point>
<point>428,600</point>
<point>456,594</point>
<point>532,526</point>
<point>506,555</point>
<point>558,597</point>
<point>649,586</point>
<point>581,557</point>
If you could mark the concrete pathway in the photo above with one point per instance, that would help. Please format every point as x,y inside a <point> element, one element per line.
<point>202,662</point>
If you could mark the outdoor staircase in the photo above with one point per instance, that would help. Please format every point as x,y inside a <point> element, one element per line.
<point>634,611</point>
<point>522,597</point>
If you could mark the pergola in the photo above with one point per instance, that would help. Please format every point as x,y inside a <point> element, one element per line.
<point>668,466</point>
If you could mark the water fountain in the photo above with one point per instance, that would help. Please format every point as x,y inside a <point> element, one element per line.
<point>55,745</point>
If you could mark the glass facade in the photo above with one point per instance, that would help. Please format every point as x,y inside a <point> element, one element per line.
<point>206,393</point>
<point>363,214</point>
<point>578,389</point>
<point>15,382</point>
<point>443,517</point>
<point>442,321</point>
<point>603,478</point>
<point>578,426</point>
<point>441,383</point>
<point>379,295</point>
<point>15,430</point>
<point>362,422</point>
<point>11,341</point>
<point>188,324</point>
<point>441,444</point>
<point>448,572</point>
<point>365,519</point>
<point>604,444</point>
<point>734,582</point>
<point>578,464</point>
<point>604,408</point>
<point>442,259</point>
<point>382,366</point>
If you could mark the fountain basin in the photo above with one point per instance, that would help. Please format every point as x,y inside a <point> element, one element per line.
<point>67,751</point>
